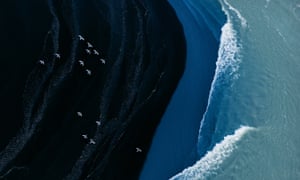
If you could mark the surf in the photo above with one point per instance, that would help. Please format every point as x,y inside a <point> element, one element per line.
<point>211,162</point>
<point>227,66</point>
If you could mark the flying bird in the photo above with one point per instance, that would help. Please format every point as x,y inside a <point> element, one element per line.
<point>88,72</point>
<point>92,141</point>
<point>84,136</point>
<point>88,51</point>
<point>57,55</point>
<point>102,61</point>
<point>98,123</point>
<point>95,52</point>
<point>138,150</point>
<point>42,62</point>
<point>79,114</point>
<point>89,45</point>
<point>81,63</point>
<point>81,38</point>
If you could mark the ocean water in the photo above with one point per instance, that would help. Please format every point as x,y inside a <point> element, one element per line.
<point>174,144</point>
<point>234,114</point>
<point>250,129</point>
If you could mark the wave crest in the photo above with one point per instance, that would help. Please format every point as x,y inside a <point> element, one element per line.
<point>207,165</point>
<point>227,65</point>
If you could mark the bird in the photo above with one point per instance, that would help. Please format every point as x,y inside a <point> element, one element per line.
<point>81,63</point>
<point>88,51</point>
<point>42,62</point>
<point>92,141</point>
<point>81,38</point>
<point>57,55</point>
<point>79,114</point>
<point>89,45</point>
<point>98,123</point>
<point>84,136</point>
<point>138,150</point>
<point>102,61</point>
<point>88,72</point>
<point>95,52</point>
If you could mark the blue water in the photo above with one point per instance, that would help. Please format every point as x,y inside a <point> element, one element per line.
<point>174,144</point>
<point>250,128</point>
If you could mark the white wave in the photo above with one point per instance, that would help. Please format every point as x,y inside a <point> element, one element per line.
<point>230,7</point>
<point>228,55</point>
<point>227,63</point>
<point>211,162</point>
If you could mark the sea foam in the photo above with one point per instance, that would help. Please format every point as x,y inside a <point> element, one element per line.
<point>227,66</point>
<point>207,165</point>
<point>238,14</point>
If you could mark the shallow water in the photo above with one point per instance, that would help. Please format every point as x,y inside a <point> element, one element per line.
<point>258,87</point>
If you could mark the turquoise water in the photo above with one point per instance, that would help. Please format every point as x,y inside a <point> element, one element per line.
<point>262,92</point>
<point>250,129</point>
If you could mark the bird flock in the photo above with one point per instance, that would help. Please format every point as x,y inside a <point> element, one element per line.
<point>89,50</point>
<point>85,136</point>
<point>92,141</point>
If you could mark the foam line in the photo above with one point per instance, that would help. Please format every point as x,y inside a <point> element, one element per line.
<point>230,7</point>
<point>211,162</point>
<point>227,66</point>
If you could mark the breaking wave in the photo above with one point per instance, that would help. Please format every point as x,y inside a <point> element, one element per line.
<point>207,165</point>
<point>227,66</point>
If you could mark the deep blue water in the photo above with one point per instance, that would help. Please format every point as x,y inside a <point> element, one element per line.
<point>250,127</point>
<point>174,144</point>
